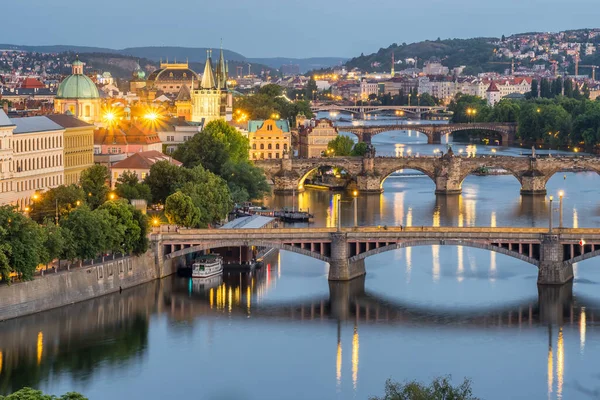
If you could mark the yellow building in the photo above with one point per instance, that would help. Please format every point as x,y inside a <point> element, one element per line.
<point>314,138</point>
<point>78,95</point>
<point>269,139</point>
<point>78,146</point>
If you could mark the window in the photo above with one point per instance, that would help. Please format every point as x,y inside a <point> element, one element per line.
<point>269,146</point>
<point>116,175</point>
<point>277,146</point>
<point>262,146</point>
<point>276,155</point>
<point>143,175</point>
<point>270,155</point>
<point>254,146</point>
<point>285,146</point>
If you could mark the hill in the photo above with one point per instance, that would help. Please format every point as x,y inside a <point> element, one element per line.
<point>474,53</point>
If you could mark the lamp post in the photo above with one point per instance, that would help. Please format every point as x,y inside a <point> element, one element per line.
<point>550,219</point>
<point>560,209</point>
<point>355,201</point>
<point>339,210</point>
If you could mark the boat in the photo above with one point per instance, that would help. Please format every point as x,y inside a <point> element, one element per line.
<point>206,266</point>
<point>287,215</point>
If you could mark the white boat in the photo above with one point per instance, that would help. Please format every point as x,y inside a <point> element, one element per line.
<point>206,266</point>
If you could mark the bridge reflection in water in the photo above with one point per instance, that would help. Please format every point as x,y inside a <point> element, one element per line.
<point>113,330</point>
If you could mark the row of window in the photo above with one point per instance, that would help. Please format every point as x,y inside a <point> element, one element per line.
<point>79,141</point>
<point>31,164</point>
<point>35,144</point>
<point>269,146</point>
<point>78,159</point>
<point>39,183</point>
<point>262,156</point>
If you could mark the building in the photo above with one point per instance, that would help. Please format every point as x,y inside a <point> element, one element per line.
<point>493,94</point>
<point>269,139</point>
<point>212,100</point>
<point>78,146</point>
<point>434,67</point>
<point>125,138</point>
<point>31,158</point>
<point>368,88</point>
<point>169,78</point>
<point>79,95</point>
<point>176,132</point>
<point>315,138</point>
<point>140,164</point>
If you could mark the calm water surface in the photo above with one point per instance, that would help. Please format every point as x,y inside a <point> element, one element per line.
<point>283,332</point>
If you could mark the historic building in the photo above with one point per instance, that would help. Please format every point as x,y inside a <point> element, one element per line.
<point>176,132</point>
<point>79,95</point>
<point>269,139</point>
<point>125,138</point>
<point>140,164</point>
<point>31,158</point>
<point>170,77</point>
<point>493,94</point>
<point>315,137</point>
<point>78,146</point>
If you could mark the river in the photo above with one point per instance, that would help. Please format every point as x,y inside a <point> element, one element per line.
<point>283,332</point>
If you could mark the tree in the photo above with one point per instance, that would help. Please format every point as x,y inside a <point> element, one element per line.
<point>126,231</point>
<point>90,232</point>
<point>359,149</point>
<point>557,87</point>
<point>93,182</point>
<point>24,240</point>
<point>534,89</point>
<point>180,210</point>
<point>53,243</point>
<point>210,194</point>
<point>504,111</point>
<point>164,179</point>
<point>568,87</point>
<point>439,389</point>
<point>341,146</point>
<point>62,199</point>
<point>545,89</point>
<point>129,187</point>
<point>246,181</point>
<point>311,89</point>
<point>141,245</point>
<point>32,394</point>
<point>5,252</point>
<point>462,103</point>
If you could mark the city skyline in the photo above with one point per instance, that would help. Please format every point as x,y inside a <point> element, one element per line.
<point>246,30</point>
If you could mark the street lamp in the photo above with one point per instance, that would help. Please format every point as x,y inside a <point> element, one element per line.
<point>355,201</point>
<point>560,209</point>
<point>112,196</point>
<point>550,219</point>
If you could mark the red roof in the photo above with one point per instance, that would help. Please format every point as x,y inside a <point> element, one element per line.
<point>32,83</point>
<point>493,87</point>
<point>144,160</point>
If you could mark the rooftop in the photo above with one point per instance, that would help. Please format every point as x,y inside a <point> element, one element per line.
<point>35,124</point>
<point>255,125</point>
<point>68,121</point>
<point>4,120</point>
<point>144,160</point>
<point>251,222</point>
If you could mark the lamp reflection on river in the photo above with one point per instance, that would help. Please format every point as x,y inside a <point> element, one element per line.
<point>582,327</point>
<point>461,264</point>
<point>0,362</point>
<point>408,262</point>
<point>40,347</point>
<point>338,359</point>
<point>409,216</point>
<point>550,363</point>
<point>435,252</point>
<point>355,346</point>
<point>493,219</point>
<point>575,219</point>
<point>560,363</point>
<point>398,208</point>
<point>436,217</point>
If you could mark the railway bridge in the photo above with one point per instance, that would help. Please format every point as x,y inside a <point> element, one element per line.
<point>345,249</point>
<point>447,172</point>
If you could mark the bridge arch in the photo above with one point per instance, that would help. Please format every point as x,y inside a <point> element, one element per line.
<point>502,133</point>
<point>238,243</point>
<point>445,242</point>
<point>387,173</point>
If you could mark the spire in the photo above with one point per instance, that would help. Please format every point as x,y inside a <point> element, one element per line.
<point>393,63</point>
<point>208,79</point>
<point>221,70</point>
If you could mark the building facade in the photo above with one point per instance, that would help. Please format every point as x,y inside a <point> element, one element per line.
<point>169,78</point>
<point>269,139</point>
<point>315,138</point>
<point>78,146</point>
<point>78,95</point>
<point>212,100</point>
<point>140,164</point>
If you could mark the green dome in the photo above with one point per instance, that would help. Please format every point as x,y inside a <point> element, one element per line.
<point>77,87</point>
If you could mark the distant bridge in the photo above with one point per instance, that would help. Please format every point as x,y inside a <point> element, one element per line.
<point>417,110</point>
<point>345,249</point>
<point>434,132</point>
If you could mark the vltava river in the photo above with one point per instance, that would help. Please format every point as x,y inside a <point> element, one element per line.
<point>283,332</point>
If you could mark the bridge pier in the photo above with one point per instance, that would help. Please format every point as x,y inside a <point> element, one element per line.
<point>340,268</point>
<point>533,184</point>
<point>553,270</point>
<point>434,138</point>
<point>552,301</point>
<point>342,295</point>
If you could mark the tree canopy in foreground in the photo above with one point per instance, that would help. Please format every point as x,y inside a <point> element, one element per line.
<point>32,394</point>
<point>439,389</point>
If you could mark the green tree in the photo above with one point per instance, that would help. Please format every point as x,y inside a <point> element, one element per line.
<point>341,146</point>
<point>164,179</point>
<point>504,111</point>
<point>534,89</point>
<point>359,149</point>
<point>557,87</point>
<point>126,231</point>
<point>462,103</point>
<point>246,181</point>
<point>94,183</point>
<point>545,89</point>
<point>311,89</point>
<point>53,243</point>
<point>440,388</point>
<point>90,232</point>
<point>62,199</point>
<point>32,394</point>
<point>210,194</point>
<point>129,187</point>
<point>5,252</point>
<point>568,84</point>
<point>25,242</point>
<point>180,210</point>
<point>141,245</point>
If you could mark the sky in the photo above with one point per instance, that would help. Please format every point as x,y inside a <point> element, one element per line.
<point>284,28</point>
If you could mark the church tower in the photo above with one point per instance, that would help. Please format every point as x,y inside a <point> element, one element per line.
<point>206,100</point>
<point>226,96</point>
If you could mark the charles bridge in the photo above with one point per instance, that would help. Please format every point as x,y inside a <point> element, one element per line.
<point>345,249</point>
<point>362,111</point>
<point>447,172</point>
<point>434,132</point>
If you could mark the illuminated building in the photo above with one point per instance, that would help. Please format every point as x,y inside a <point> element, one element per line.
<point>169,78</point>
<point>140,164</point>
<point>78,95</point>
<point>212,100</point>
<point>315,138</point>
<point>269,139</point>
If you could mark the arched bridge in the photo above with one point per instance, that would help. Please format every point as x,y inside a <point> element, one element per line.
<point>346,249</point>
<point>447,172</point>
<point>434,132</point>
<point>417,110</point>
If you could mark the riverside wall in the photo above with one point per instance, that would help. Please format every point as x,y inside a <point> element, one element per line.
<point>59,289</point>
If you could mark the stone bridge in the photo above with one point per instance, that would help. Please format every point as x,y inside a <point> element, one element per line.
<point>346,249</point>
<point>434,132</point>
<point>447,172</point>
<point>417,110</point>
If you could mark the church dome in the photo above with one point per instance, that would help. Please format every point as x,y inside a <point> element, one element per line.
<point>172,72</point>
<point>77,87</point>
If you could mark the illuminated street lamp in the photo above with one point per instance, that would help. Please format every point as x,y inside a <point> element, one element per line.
<point>561,194</point>
<point>112,196</point>
<point>355,201</point>
<point>155,221</point>
<point>550,219</point>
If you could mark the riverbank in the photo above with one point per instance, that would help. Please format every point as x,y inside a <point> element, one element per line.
<point>55,290</point>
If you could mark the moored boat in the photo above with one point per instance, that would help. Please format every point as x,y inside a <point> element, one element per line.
<point>206,266</point>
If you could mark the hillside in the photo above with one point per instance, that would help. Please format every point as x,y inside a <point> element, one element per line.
<point>474,53</point>
<point>192,54</point>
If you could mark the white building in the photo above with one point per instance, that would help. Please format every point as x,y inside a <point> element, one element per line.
<point>368,88</point>
<point>493,94</point>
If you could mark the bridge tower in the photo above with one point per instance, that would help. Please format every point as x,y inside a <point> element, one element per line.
<point>368,181</point>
